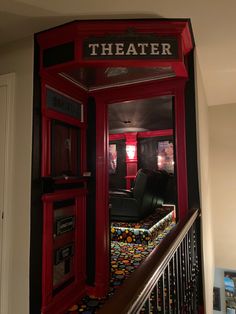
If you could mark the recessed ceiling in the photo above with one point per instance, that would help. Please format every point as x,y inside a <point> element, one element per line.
<point>91,78</point>
<point>141,115</point>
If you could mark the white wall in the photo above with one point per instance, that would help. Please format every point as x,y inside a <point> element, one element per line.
<point>204,182</point>
<point>18,57</point>
<point>223,175</point>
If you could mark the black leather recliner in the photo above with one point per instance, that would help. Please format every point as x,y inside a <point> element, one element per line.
<point>135,204</point>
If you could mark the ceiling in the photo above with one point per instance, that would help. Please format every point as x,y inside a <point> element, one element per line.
<point>90,78</point>
<point>141,115</point>
<point>213,22</point>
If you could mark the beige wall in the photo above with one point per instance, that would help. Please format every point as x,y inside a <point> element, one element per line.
<point>223,176</point>
<point>204,182</point>
<point>18,57</point>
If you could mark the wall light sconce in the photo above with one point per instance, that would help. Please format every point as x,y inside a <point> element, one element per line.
<point>131,151</point>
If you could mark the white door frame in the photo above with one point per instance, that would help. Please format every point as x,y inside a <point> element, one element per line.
<point>7,84</point>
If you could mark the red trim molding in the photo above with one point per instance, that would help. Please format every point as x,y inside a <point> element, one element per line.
<point>158,133</point>
<point>102,276</point>
<point>116,137</point>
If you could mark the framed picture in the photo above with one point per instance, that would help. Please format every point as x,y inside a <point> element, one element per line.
<point>112,158</point>
<point>165,156</point>
<point>216,299</point>
<point>230,291</point>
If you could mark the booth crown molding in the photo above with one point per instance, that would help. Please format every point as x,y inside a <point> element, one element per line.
<point>180,28</point>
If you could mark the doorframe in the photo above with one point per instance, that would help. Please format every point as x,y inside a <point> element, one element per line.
<point>7,80</point>
<point>173,87</point>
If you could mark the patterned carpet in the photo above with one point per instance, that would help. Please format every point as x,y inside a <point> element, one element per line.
<point>145,230</point>
<point>125,258</point>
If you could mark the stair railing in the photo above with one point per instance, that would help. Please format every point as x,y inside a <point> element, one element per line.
<point>169,279</point>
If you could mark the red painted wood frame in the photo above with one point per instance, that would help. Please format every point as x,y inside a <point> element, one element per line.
<point>61,301</point>
<point>48,115</point>
<point>147,134</point>
<point>174,87</point>
<point>78,31</point>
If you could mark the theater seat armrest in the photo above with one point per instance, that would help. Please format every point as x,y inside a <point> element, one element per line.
<point>120,193</point>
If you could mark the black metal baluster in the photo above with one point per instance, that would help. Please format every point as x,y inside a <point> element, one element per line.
<point>172,279</point>
<point>167,275</point>
<point>174,285</point>
<point>196,236</point>
<point>159,296</point>
<point>147,306</point>
<point>184,274</point>
<point>195,269</point>
<point>191,268</point>
<point>177,282</point>
<point>155,299</point>
<point>162,283</point>
<point>190,271</point>
<point>188,300</point>
<point>181,294</point>
<point>187,272</point>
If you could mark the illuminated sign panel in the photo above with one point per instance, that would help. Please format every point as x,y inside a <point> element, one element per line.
<point>64,104</point>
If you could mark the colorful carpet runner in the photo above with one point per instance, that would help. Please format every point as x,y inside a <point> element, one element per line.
<point>146,230</point>
<point>125,258</point>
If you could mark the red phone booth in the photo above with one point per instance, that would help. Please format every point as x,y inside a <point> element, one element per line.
<point>84,67</point>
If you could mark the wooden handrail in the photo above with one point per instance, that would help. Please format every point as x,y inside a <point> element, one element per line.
<point>133,293</point>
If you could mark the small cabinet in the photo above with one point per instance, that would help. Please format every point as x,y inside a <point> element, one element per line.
<point>63,249</point>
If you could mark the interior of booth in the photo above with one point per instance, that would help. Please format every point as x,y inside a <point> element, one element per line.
<point>141,157</point>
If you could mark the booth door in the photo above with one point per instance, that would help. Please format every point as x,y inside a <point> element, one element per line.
<point>64,200</point>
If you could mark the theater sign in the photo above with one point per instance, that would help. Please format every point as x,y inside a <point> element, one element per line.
<point>131,45</point>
